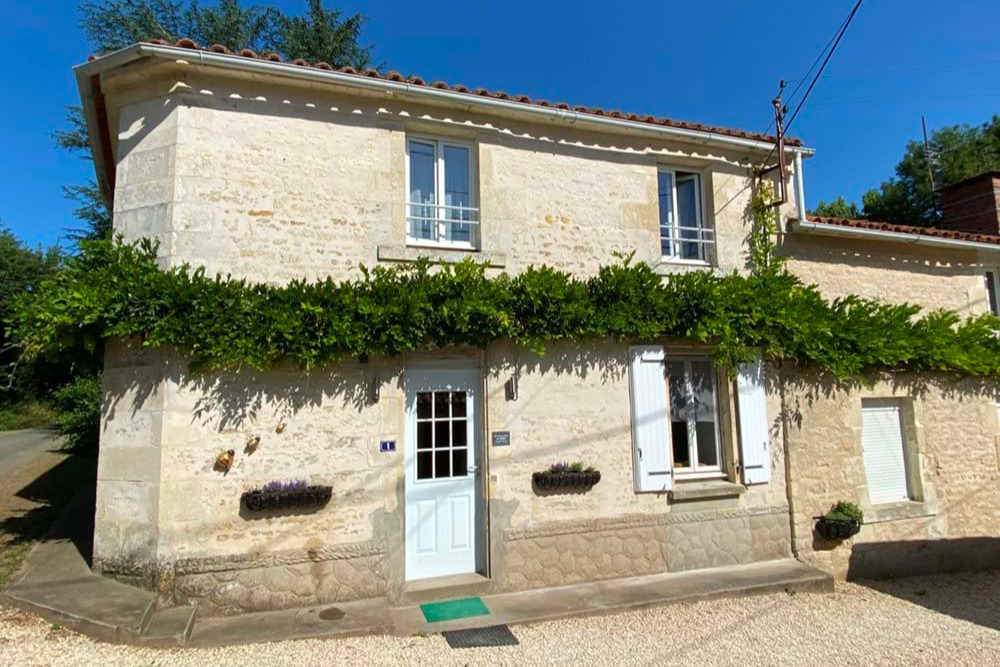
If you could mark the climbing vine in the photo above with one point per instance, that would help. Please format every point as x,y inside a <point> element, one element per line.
<point>114,289</point>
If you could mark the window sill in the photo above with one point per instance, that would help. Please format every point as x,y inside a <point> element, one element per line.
<point>908,509</point>
<point>666,266</point>
<point>406,253</point>
<point>701,490</point>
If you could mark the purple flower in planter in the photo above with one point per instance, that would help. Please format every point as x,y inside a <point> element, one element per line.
<point>293,485</point>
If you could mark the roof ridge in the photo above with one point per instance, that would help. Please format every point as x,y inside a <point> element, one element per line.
<point>393,75</point>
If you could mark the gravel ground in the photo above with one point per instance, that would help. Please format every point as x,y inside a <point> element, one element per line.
<point>949,620</point>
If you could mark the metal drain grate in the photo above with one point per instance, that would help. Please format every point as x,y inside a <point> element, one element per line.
<point>494,635</point>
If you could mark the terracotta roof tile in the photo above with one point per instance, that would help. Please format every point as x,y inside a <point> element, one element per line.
<point>908,229</point>
<point>483,92</point>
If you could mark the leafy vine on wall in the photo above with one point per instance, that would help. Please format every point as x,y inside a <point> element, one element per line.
<point>115,289</point>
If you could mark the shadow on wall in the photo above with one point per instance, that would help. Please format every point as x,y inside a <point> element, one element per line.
<point>969,596</point>
<point>804,386</point>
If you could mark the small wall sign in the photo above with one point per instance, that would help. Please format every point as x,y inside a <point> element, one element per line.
<point>387,446</point>
<point>501,438</point>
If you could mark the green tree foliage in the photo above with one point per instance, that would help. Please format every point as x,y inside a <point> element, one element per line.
<point>22,271</point>
<point>957,152</point>
<point>78,405</point>
<point>116,290</point>
<point>838,208</point>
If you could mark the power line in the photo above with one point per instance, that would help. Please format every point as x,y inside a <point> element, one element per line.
<point>829,50</point>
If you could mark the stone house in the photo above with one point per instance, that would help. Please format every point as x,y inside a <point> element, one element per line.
<point>274,171</point>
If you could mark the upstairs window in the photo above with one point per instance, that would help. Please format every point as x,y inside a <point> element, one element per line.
<point>440,184</point>
<point>683,233</point>
<point>991,292</point>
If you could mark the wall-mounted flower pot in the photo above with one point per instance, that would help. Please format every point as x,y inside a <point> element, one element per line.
<point>837,529</point>
<point>565,480</point>
<point>269,501</point>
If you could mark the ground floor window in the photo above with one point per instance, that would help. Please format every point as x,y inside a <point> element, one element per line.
<point>694,422</point>
<point>884,451</point>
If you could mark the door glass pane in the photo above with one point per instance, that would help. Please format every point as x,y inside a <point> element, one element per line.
<point>703,406</point>
<point>423,435</point>
<point>422,191</point>
<point>665,187</point>
<point>442,437</point>
<point>460,462</point>
<point>424,465</point>
<point>687,215</point>
<point>441,402</point>
<point>458,404</point>
<point>678,414</point>
<point>424,405</point>
<point>442,463</point>
<point>457,190</point>
<point>459,433</point>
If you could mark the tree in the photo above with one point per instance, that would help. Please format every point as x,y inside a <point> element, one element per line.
<point>838,208</point>
<point>319,35</point>
<point>957,152</point>
<point>22,269</point>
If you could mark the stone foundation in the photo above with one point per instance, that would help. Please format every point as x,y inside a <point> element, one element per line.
<point>567,552</point>
<point>282,580</point>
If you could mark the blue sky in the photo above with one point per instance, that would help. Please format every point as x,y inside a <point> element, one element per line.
<point>716,63</point>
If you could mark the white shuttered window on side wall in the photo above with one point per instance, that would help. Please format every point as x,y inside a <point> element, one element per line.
<point>650,419</point>
<point>884,453</point>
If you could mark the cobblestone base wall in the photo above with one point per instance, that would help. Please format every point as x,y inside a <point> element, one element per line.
<point>227,586</point>
<point>567,552</point>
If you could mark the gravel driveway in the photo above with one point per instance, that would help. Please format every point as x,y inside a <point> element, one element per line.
<point>897,625</point>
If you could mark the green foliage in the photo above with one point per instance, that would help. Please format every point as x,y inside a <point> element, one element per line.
<point>79,412</point>
<point>838,208</point>
<point>323,36</point>
<point>26,414</point>
<point>846,511</point>
<point>116,290</point>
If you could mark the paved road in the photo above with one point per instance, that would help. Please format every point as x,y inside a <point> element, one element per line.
<point>18,448</point>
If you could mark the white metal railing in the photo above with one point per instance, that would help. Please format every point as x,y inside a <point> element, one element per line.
<point>442,224</point>
<point>686,242</point>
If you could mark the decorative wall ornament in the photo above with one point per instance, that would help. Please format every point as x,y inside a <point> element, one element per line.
<point>224,461</point>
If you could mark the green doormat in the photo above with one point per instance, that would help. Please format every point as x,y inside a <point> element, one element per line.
<point>435,612</point>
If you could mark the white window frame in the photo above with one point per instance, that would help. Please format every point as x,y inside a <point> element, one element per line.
<point>905,454</point>
<point>441,241</point>
<point>992,284</point>
<point>696,471</point>
<point>706,234</point>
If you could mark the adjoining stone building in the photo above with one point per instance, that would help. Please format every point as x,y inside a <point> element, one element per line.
<point>272,172</point>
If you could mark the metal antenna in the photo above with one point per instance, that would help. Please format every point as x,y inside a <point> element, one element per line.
<point>928,156</point>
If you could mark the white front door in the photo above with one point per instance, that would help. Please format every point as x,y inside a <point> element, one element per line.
<point>442,407</point>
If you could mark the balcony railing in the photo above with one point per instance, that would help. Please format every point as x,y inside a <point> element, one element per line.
<point>443,225</point>
<point>686,243</point>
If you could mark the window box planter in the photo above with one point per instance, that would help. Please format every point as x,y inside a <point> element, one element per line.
<point>837,529</point>
<point>548,480</point>
<point>260,500</point>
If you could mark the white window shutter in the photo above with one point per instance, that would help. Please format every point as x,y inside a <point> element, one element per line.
<point>650,419</point>
<point>885,461</point>
<point>754,426</point>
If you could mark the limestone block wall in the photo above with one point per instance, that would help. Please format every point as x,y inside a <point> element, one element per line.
<point>951,429</point>
<point>282,181</point>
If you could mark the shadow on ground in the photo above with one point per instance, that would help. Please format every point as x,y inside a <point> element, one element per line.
<point>47,496</point>
<point>914,570</point>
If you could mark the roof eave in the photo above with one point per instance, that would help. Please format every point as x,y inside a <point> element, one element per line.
<point>825,229</point>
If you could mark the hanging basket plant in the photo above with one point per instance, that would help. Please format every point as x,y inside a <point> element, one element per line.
<point>276,496</point>
<point>566,476</point>
<point>841,522</point>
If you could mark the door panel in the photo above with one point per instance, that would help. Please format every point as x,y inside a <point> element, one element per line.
<point>442,412</point>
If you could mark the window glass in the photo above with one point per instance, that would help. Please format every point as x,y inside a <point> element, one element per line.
<point>457,194</point>
<point>991,292</point>
<point>703,406</point>
<point>442,435</point>
<point>678,414</point>
<point>422,191</point>
<point>687,214</point>
<point>665,192</point>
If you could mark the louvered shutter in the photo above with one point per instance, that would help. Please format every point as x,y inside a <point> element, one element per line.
<point>650,419</point>
<point>752,407</point>
<point>885,462</point>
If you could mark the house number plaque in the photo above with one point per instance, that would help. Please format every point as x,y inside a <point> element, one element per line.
<point>501,438</point>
